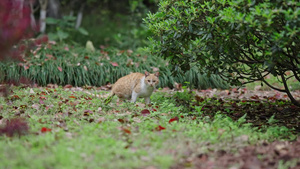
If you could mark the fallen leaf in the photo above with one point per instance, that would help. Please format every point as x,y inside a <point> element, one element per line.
<point>121,120</point>
<point>26,67</point>
<point>114,63</point>
<point>59,68</point>
<point>85,68</point>
<point>145,112</point>
<point>45,129</point>
<point>126,130</point>
<point>174,119</point>
<point>68,86</point>
<point>72,97</point>
<point>159,128</point>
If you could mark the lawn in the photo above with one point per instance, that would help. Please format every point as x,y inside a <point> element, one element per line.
<point>71,127</point>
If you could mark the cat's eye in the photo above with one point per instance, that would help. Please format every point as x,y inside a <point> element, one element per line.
<point>149,81</point>
<point>153,81</point>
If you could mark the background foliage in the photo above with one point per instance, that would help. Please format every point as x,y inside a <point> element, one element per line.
<point>242,41</point>
<point>75,65</point>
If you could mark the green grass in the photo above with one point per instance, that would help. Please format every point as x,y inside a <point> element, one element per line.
<point>86,133</point>
<point>293,84</point>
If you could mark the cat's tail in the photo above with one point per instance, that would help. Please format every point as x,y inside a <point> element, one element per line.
<point>97,95</point>
<point>108,100</point>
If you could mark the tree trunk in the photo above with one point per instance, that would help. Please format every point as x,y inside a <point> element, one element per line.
<point>32,18</point>
<point>79,17</point>
<point>54,9</point>
<point>43,12</point>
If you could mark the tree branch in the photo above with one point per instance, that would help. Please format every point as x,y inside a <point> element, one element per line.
<point>293,100</point>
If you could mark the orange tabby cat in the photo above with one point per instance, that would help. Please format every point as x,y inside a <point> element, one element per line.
<point>135,85</point>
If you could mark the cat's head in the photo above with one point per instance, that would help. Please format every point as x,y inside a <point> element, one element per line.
<point>151,79</point>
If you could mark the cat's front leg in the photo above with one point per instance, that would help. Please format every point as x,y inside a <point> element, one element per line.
<point>134,96</point>
<point>147,100</point>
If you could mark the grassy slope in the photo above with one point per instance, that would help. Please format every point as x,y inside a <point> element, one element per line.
<point>85,133</point>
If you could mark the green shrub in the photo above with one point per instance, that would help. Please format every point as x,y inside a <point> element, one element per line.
<point>60,29</point>
<point>241,41</point>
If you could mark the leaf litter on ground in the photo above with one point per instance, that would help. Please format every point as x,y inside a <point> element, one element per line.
<point>80,107</point>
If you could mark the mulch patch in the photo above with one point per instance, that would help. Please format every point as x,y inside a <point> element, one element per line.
<point>260,106</point>
<point>262,156</point>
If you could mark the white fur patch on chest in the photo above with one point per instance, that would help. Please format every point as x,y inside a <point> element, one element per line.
<point>146,90</point>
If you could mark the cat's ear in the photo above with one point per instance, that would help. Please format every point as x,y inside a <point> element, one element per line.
<point>147,73</point>
<point>156,74</point>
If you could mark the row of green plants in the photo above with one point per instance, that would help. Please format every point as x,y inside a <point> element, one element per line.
<point>75,65</point>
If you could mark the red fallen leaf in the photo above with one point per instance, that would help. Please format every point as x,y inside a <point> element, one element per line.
<point>154,110</point>
<point>126,130</point>
<point>59,68</point>
<point>15,97</point>
<point>43,98</point>
<point>272,98</point>
<point>121,120</point>
<point>86,57</point>
<point>45,129</point>
<point>159,128</point>
<point>145,112</point>
<point>114,63</point>
<point>194,118</point>
<point>26,67</point>
<point>72,97</point>
<point>68,86</point>
<point>174,119</point>
<point>182,116</point>
<point>254,97</point>
<point>88,98</point>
